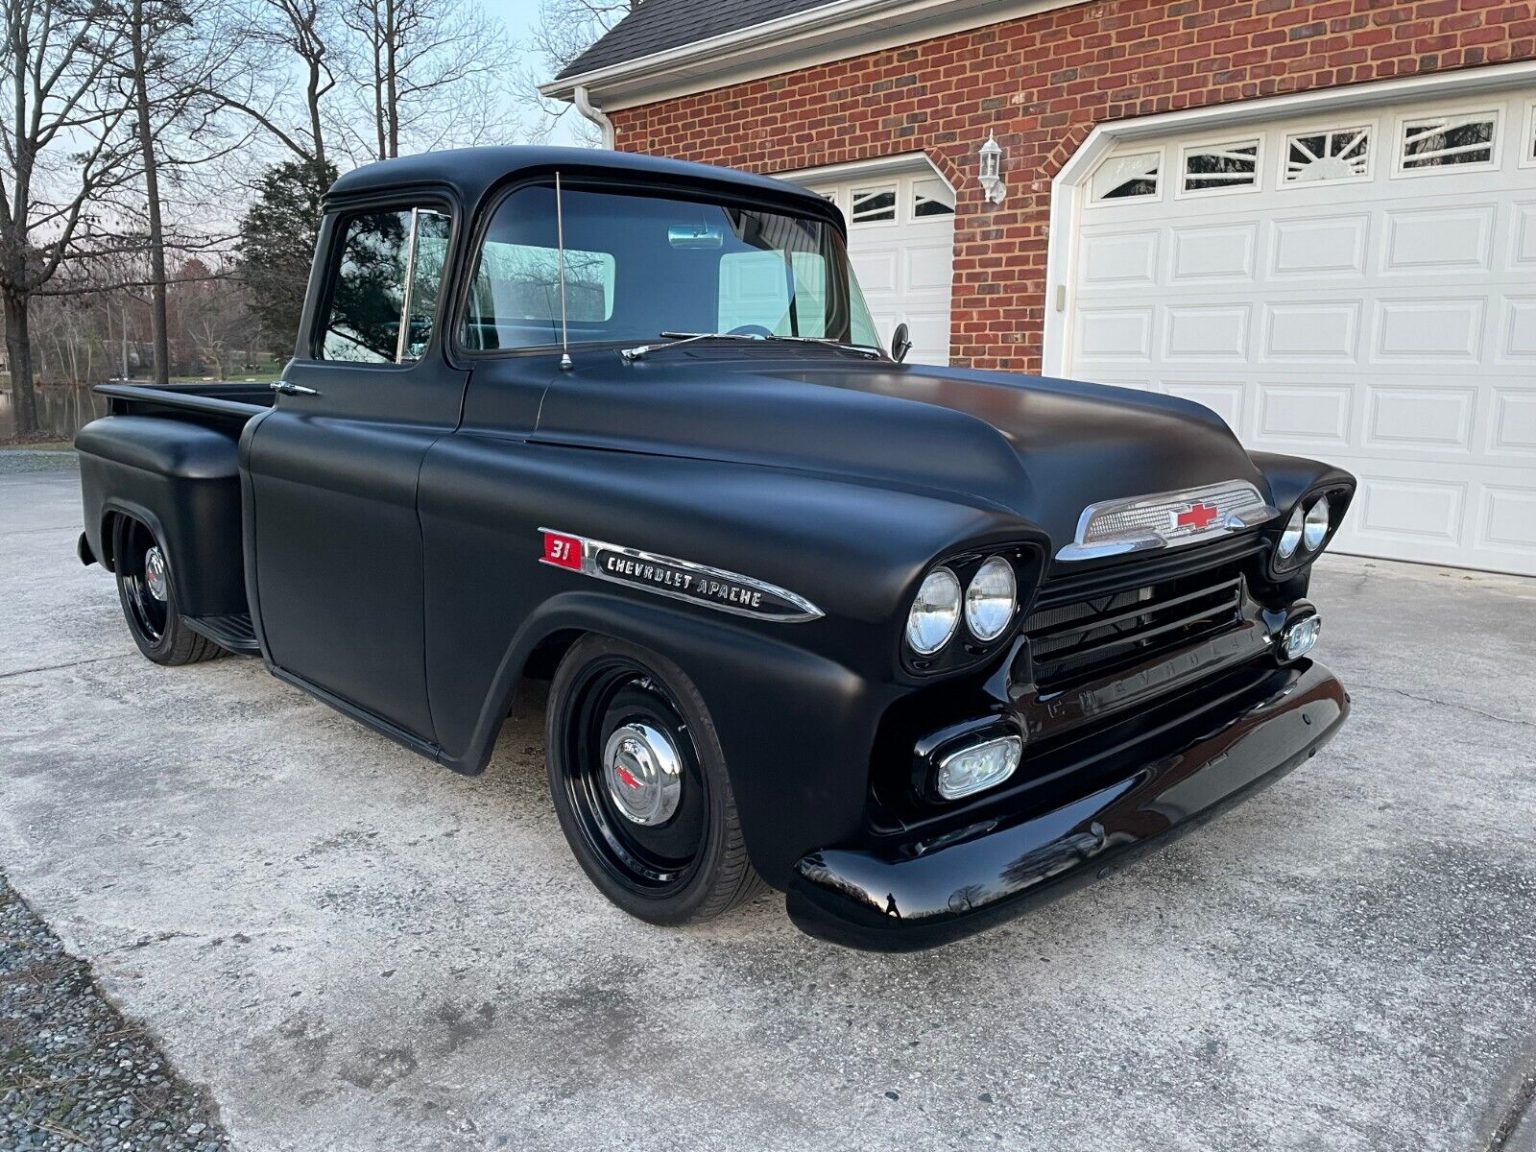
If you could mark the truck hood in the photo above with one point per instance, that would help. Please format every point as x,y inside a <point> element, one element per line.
<point>1041,448</point>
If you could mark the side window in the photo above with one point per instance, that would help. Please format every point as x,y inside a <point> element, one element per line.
<point>387,283</point>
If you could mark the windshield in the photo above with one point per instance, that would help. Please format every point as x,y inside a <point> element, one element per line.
<point>639,266</point>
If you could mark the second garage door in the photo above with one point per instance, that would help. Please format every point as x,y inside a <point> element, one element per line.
<point>1360,289</point>
<point>901,237</point>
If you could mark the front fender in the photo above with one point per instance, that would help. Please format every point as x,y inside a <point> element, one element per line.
<point>796,727</point>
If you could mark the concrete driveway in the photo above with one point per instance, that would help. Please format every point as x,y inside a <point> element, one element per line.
<point>354,949</point>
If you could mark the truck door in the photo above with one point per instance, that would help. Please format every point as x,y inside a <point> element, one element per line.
<point>336,541</point>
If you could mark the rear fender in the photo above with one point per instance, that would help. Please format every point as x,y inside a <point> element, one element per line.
<point>182,481</point>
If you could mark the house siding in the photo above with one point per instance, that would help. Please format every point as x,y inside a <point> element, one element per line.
<point>1041,84</point>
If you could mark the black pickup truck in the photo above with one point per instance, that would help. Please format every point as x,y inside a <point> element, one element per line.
<point>920,646</point>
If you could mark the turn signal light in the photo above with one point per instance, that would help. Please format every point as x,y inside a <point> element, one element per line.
<point>1300,636</point>
<point>978,767</point>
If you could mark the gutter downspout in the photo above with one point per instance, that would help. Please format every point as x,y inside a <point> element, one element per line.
<point>585,106</point>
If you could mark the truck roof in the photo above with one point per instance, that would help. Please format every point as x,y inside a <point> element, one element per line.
<point>471,172</point>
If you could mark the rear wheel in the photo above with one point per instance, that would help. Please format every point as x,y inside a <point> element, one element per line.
<point>148,594</point>
<point>639,784</point>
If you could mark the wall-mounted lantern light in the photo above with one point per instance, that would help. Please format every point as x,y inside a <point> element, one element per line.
<point>991,167</point>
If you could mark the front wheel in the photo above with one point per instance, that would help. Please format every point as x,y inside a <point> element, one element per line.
<point>148,593</point>
<point>640,787</point>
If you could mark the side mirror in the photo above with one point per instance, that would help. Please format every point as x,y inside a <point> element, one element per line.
<point>901,343</point>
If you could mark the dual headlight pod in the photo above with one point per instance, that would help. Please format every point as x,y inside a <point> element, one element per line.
<point>1306,529</point>
<point>987,604</point>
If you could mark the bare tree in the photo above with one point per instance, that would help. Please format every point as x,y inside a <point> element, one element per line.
<point>63,146</point>
<point>180,55</point>
<point>213,314</point>
<point>565,29</point>
<point>427,73</point>
<point>275,31</point>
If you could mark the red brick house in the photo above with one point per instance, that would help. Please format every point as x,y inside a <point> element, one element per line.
<point>1316,216</point>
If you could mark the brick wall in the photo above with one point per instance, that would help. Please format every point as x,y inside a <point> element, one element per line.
<point>1041,84</point>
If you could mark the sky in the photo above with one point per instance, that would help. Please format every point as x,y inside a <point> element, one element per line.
<point>520,16</point>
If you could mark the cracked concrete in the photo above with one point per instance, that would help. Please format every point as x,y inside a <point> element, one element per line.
<point>355,949</point>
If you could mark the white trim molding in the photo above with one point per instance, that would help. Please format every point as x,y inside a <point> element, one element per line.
<point>901,162</point>
<point>834,31</point>
<point>1070,186</point>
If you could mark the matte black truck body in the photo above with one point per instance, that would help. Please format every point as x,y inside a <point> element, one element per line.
<point>409,540</point>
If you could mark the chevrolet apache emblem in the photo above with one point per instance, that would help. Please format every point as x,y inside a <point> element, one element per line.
<point>679,579</point>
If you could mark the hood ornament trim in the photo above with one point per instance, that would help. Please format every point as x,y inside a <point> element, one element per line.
<point>1167,520</point>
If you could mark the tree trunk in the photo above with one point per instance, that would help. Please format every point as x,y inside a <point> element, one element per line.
<point>312,95</point>
<point>392,76</point>
<point>158,320</point>
<point>18,347</point>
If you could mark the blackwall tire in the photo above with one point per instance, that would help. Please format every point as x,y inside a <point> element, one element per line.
<point>665,846</point>
<point>146,588</point>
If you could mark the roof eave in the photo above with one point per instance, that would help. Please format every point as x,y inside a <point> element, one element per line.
<point>833,31</point>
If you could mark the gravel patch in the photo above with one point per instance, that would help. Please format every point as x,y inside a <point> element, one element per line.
<point>73,1073</point>
<point>29,460</point>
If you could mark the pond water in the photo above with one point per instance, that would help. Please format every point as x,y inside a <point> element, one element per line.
<point>61,409</point>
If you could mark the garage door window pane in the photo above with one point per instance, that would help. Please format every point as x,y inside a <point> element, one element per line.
<point>932,198</point>
<point>1221,166</point>
<point>1128,177</point>
<point>1337,154</point>
<point>874,204</point>
<point>1448,141</point>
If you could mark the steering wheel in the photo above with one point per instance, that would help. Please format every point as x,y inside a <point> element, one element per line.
<point>750,330</point>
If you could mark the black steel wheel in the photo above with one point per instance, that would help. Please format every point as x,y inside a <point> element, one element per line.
<point>640,786</point>
<point>148,594</point>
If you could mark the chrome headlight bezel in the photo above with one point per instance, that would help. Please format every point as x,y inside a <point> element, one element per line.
<point>964,648</point>
<point>1308,541</point>
<point>1314,530</point>
<point>1290,536</point>
<point>991,599</point>
<point>939,584</point>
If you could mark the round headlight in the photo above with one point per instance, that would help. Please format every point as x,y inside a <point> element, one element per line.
<point>935,612</point>
<point>991,599</point>
<point>1316,525</point>
<point>1291,537</point>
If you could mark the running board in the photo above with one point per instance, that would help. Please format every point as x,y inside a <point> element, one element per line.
<point>232,632</point>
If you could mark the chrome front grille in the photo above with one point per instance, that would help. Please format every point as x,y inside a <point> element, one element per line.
<point>1166,520</point>
<point>1099,635</point>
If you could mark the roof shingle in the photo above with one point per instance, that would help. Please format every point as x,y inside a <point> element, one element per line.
<point>658,25</point>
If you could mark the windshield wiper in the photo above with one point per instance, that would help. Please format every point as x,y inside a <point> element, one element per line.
<point>675,339</point>
<point>828,342</point>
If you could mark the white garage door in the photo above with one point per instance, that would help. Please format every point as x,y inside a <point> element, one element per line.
<point>1361,289</point>
<point>901,237</point>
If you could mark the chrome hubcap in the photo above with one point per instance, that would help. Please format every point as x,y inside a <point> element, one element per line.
<point>644,774</point>
<point>154,574</point>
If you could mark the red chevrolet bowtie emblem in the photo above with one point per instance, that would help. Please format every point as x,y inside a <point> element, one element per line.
<point>1196,516</point>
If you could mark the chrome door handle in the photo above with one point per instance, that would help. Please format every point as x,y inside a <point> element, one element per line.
<point>288,389</point>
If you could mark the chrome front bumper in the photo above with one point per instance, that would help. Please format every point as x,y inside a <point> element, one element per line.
<point>909,894</point>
